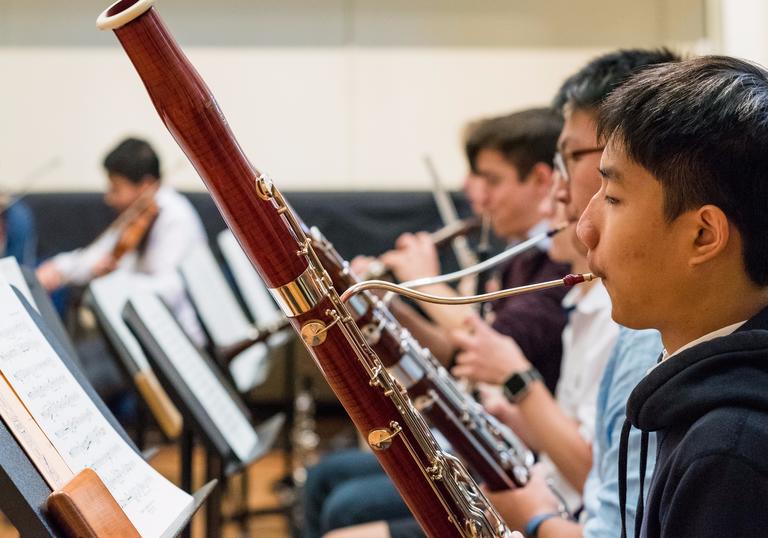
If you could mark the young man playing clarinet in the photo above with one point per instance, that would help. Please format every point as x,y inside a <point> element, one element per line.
<point>677,232</point>
<point>515,152</point>
<point>511,155</point>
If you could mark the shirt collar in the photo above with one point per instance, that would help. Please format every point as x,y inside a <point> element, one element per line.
<point>539,228</point>
<point>724,331</point>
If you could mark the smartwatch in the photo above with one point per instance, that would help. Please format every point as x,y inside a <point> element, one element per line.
<point>518,385</point>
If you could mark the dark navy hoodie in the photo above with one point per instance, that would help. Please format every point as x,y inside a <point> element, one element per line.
<point>709,407</point>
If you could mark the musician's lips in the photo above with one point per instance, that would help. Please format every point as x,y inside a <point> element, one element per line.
<point>594,268</point>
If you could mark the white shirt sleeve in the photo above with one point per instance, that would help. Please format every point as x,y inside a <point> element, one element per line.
<point>75,267</point>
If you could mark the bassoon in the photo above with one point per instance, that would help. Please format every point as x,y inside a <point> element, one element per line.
<point>496,454</point>
<point>435,485</point>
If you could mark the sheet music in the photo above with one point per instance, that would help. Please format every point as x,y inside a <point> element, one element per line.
<point>216,303</point>
<point>111,292</point>
<point>229,420</point>
<point>74,425</point>
<point>10,270</point>
<point>255,294</point>
<point>250,367</point>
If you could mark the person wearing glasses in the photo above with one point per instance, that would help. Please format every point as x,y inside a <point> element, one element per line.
<point>561,424</point>
<point>577,431</point>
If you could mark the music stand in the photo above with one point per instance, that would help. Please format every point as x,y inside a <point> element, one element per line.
<point>257,299</point>
<point>25,492</point>
<point>182,369</point>
<point>223,320</point>
<point>106,297</point>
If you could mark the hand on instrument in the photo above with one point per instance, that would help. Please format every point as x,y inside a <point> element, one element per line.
<point>104,266</point>
<point>360,265</point>
<point>519,506</point>
<point>48,276</point>
<point>496,403</point>
<point>486,355</point>
<point>414,257</point>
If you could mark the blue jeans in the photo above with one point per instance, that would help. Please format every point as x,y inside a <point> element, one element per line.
<point>348,488</point>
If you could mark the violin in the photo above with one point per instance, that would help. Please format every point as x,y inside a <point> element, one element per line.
<point>136,230</point>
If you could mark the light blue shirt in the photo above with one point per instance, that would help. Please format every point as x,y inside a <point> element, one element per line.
<point>634,354</point>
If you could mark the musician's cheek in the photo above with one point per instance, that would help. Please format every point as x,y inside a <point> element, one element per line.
<point>121,192</point>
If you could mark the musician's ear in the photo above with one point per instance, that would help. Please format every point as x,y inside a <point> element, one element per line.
<point>148,181</point>
<point>541,176</point>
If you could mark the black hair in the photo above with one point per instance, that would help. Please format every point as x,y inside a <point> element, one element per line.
<point>524,138</point>
<point>700,127</point>
<point>134,159</point>
<point>588,87</point>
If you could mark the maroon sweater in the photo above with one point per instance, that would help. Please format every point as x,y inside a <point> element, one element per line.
<point>535,320</point>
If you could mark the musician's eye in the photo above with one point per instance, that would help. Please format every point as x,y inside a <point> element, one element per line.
<point>610,200</point>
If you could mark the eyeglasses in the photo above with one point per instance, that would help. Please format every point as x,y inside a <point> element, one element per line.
<point>561,159</point>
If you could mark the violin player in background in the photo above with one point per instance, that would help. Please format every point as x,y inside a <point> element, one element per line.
<point>155,229</point>
<point>18,233</point>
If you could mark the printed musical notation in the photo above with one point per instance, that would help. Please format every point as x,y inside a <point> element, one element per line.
<point>229,420</point>
<point>10,270</point>
<point>34,442</point>
<point>75,427</point>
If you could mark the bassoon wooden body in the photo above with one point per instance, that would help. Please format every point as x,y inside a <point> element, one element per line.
<point>436,487</point>
<point>496,454</point>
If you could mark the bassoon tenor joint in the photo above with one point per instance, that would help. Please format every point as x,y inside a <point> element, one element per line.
<point>439,465</point>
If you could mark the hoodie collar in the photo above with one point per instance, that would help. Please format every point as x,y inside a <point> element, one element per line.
<point>728,370</point>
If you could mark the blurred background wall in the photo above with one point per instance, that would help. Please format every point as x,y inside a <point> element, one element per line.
<point>324,94</point>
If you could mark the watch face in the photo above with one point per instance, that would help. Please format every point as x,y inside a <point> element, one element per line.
<point>516,383</point>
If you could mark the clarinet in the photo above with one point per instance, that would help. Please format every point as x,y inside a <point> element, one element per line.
<point>436,486</point>
<point>490,448</point>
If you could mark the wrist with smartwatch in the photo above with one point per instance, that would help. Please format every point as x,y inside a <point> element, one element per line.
<point>519,383</point>
<point>532,527</point>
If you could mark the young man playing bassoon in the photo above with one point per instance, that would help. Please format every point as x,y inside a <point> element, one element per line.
<point>677,233</point>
